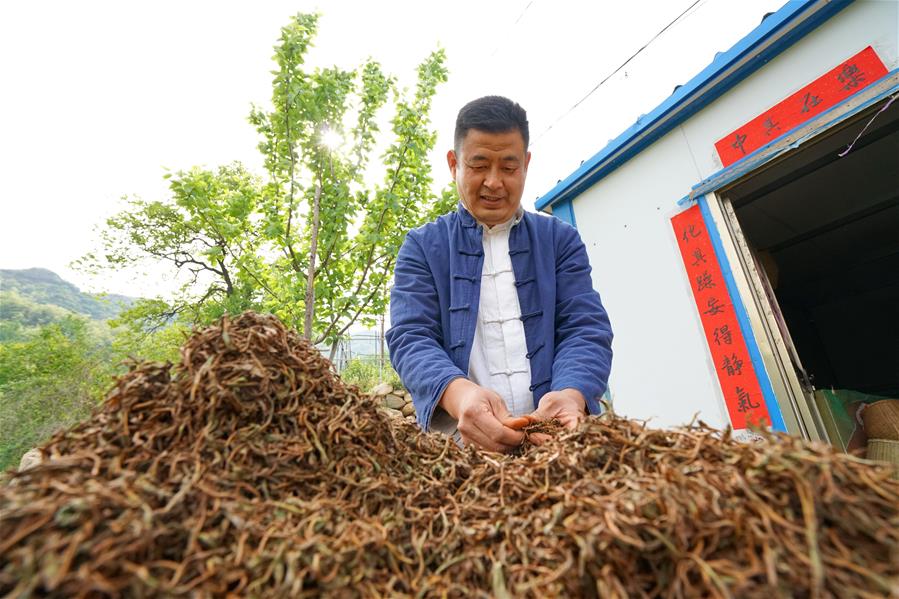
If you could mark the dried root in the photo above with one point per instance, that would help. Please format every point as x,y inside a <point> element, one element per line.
<point>250,470</point>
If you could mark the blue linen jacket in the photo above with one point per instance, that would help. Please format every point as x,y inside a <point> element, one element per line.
<point>436,293</point>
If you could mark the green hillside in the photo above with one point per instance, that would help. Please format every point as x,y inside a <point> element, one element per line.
<point>57,356</point>
<point>22,288</point>
<point>36,297</point>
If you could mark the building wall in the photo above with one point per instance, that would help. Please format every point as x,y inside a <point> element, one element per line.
<point>660,356</point>
<point>662,369</point>
<point>863,23</point>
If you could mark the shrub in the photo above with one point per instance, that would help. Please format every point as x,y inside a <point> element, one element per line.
<point>364,374</point>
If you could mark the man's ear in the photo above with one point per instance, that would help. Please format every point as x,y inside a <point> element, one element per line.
<point>527,160</point>
<point>451,161</point>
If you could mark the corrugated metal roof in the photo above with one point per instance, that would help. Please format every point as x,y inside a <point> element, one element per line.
<point>777,32</point>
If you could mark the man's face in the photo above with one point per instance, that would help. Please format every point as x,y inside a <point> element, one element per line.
<point>490,170</point>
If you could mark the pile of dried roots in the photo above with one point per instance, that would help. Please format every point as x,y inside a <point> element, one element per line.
<point>249,469</point>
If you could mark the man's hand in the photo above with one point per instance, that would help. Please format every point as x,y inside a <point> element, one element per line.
<point>567,405</point>
<point>480,413</point>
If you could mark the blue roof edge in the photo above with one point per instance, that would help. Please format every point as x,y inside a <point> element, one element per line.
<point>694,97</point>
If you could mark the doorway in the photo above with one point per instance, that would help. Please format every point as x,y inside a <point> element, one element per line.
<point>823,232</point>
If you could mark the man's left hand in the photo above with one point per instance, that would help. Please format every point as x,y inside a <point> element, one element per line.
<point>567,405</point>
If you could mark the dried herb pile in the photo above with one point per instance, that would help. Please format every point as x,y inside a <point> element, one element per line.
<point>250,470</point>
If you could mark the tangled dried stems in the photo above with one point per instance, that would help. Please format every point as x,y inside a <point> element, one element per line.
<point>250,470</point>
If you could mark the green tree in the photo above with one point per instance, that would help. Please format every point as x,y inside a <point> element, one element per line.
<point>50,380</point>
<point>18,315</point>
<point>51,376</point>
<point>312,240</point>
<point>136,340</point>
<point>204,231</point>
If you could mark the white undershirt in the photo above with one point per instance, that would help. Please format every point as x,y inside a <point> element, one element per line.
<point>499,352</point>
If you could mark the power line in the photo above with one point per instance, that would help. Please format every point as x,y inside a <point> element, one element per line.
<point>512,26</point>
<point>621,66</point>
<point>522,13</point>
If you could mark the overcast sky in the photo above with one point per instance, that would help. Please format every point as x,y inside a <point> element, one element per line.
<point>98,97</point>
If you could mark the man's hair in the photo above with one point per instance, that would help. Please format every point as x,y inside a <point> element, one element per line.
<point>493,114</point>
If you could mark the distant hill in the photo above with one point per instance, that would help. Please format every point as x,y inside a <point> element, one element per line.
<point>36,296</point>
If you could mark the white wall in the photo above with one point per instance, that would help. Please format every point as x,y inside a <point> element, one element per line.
<point>662,369</point>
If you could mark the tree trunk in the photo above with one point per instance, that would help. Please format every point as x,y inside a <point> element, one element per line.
<point>229,286</point>
<point>334,347</point>
<point>313,252</point>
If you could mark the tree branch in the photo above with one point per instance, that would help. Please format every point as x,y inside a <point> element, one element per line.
<point>294,260</point>
<point>396,175</point>
<point>366,302</point>
<point>372,261</point>
<point>229,286</point>
<point>310,278</point>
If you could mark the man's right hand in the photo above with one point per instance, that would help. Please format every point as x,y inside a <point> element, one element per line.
<point>480,413</point>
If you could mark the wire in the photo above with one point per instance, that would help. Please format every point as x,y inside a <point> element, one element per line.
<point>512,26</point>
<point>859,136</point>
<point>613,73</point>
<point>522,13</point>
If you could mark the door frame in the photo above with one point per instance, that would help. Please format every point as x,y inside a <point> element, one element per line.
<point>795,400</point>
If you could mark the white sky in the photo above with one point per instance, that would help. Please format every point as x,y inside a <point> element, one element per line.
<point>98,97</point>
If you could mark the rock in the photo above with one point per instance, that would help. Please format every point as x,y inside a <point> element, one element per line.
<point>31,459</point>
<point>394,402</point>
<point>408,410</point>
<point>381,390</point>
<point>407,395</point>
<point>391,413</point>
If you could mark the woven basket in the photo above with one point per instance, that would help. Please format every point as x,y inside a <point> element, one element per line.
<point>885,450</point>
<point>882,419</point>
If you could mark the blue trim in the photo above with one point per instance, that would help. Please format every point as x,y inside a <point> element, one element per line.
<point>777,421</point>
<point>690,98</point>
<point>565,211</point>
<point>753,160</point>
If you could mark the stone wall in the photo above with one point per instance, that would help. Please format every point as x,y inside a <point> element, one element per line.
<point>396,402</point>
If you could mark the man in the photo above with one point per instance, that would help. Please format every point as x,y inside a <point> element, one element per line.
<point>493,311</point>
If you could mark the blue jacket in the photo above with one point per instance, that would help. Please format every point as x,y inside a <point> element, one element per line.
<point>435,298</point>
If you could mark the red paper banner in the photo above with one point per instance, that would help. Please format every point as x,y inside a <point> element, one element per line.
<point>861,70</point>
<point>739,383</point>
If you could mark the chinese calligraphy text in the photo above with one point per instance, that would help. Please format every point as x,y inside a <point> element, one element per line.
<point>824,92</point>
<point>733,367</point>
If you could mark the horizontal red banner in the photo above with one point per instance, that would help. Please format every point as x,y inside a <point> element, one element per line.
<point>858,72</point>
<point>737,377</point>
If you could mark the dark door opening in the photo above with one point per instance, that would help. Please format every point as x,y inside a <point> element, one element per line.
<point>825,231</point>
